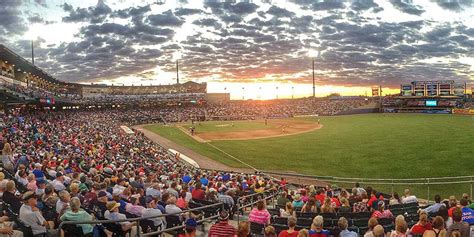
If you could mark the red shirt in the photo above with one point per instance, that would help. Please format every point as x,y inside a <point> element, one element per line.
<point>320,198</point>
<point>420,229</point>
<point>372,199</point>
<point>198,194</point>
<point>222,229</point>
<point>286,234</point>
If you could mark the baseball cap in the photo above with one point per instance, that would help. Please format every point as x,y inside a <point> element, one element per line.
<point>223,216</point>
<point>28,195</point>
<point>102,194</point>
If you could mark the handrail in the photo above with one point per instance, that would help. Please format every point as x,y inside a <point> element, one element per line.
<point>137,218</point>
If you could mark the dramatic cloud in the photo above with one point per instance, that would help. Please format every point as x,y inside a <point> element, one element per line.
<point>361,42</point>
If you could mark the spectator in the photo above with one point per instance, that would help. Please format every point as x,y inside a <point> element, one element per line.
<point>345,206</point>
<point>327,206</point>
<point>269,231</point>
<point>458,226</point>
<point>303,233</point>
<point>58,183</point>
<point>408,198</point>
<point>310,206</point>
<point>291,232</point>
<point>282,199</point>
<point>190,228</point>
<point>438,228</point>
<point>243,229</point>
<point>181,202</point>
<point>198,193</point>
<point>222,228</point>
<point>453,204</point>
<point>378,231</point>
<point>422,225</point>
<point>297,202</point>
<point>317,228</point>
<point>467,213</point>
<point>112,213</point>
<point>288,211</point>
<point>395,199</point>
<point>381,212</point>
<point>31,215</point>
<point>10,198</point>
<point>259,214</point>
<point>75,213</point>
<point>371,224</point>
<point>400,227</point>
<point>171,207</point>
<point>62,204</point>
<point>342,224</point>
<point>151,210</point>
<point>443,212</point>
<point>435,207</point>
<point>362,205</point>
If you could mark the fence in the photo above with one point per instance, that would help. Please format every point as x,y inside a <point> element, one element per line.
<point>158,232</point>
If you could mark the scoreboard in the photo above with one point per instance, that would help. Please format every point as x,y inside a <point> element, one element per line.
<point>433,88</point>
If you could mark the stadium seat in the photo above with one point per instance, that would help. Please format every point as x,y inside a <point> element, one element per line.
<point>385,221</point>
<point>256,229</point>
<point>280,220</point>
<point>360,215</point>
<point>304,222</point>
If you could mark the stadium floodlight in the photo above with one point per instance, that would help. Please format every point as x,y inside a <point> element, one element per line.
<point>177,56</point>
<point>313,54</point>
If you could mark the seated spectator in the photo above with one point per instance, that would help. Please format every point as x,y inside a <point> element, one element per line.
<point>459,227</point>
<point>395,199</point>
<point>31,215</point>
<point>260,214</point>
<point>355,197</point>
<point>401,227</point>
<point>310,206</point>
<point>151,210</point>
<point>422,225</point>
<point>288,211</point>
<point>443,212</point>
<point>227,197</point>
<point>190,228</point>
<point>222,228</point>
<point>58,183</point>
<point>291,232</point>
<point>10,198</point>
<point>408,198</point>
<point>75,213</point>
<point>378,231</point>
<point>317,228</point>
<point>171,207</point>
<point>327,207</point>
<point>6,228</point>
<point>62,204</point>
<point>435,207</point>
<point>303,233</point>
<point>345,206</point>
<point>181,202</point>
<point>362,205</point>
<point>297,202</point>
<point>101,205</point>
<point>269,231</point>
<point>438,228</point>
<point>112,213</point>
<point>243,229</point>
<point>381,212</point>
<point>467,213</point>
<point>198,193</point>
<point>453,204</point>
<point>134,206</point>
<point>343,224</point>
<point>371,224</point>
<point>31,186</point>
<point>282,199</point>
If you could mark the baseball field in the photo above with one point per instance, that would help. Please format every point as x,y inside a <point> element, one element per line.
<point>364,146</point>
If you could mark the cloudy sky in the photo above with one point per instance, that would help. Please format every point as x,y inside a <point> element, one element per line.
<point>250,44</point>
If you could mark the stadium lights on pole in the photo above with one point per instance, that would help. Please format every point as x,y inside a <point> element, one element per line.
<point>177,57</point>
<point>313,54</point>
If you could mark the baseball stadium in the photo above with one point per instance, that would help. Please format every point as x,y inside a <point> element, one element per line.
<point>99,143</point>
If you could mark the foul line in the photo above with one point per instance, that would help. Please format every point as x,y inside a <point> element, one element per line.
<point>233,157</point>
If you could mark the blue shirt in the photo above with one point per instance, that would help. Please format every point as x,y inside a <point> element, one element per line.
<point>468,215</point>
<point>38,174</point>
<point>434,208</point>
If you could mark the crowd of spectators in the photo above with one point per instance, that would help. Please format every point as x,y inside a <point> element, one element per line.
<point>80,166</point>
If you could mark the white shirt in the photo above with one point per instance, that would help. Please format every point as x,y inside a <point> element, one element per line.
<point>34,219</point>
<point>409,199</point>
<point>58,185</point>
<point>148,212</point>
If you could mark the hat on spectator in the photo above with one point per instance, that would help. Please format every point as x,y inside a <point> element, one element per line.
<point>102,194</point>
<point>223,216</point>
<point>28,195</point>
<point>41,181</point>
<point>112,205</point>
<point>59,174</point>
<point>191,224</point>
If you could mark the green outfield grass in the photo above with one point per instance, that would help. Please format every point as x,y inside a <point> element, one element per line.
<point>228,126</point>
<point>371,145</point>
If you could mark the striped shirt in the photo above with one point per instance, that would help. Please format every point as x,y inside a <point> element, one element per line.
<point>260,217</point>
<point>222,229</point>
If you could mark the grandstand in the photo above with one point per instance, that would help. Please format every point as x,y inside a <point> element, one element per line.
<point>79,172</point>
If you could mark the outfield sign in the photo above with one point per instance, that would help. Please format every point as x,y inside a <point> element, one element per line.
<point>463,111</point>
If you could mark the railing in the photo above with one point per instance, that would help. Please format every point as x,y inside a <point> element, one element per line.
<point>138,219</point>
<point>426,183</point>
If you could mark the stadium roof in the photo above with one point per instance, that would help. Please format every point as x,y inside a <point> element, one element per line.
<point>24,65</point>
